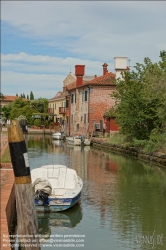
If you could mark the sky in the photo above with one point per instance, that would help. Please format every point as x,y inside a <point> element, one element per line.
<point>42,41</point>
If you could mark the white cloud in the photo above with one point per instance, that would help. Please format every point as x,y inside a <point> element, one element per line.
<point>38,63</point>
<point>43,75</point>
<point>42,85</point>
<point>87,32</point>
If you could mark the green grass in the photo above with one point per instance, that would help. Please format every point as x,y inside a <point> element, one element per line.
<point>118,139</point>
<point>5,158</point>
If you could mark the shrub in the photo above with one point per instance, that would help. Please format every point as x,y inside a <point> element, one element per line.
<point>37,122</point>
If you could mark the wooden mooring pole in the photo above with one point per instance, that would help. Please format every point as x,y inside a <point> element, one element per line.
<point>27,223</point>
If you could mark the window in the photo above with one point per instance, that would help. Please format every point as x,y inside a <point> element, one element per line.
<point>84,118</point>
<point>71,118</point>
<point>67,119</point>
<point>82,96</point>
<point>77,127</point>
<point>75,98</point>
<point>67,103</point>
<point>72,98</point>
<point>86,95</point>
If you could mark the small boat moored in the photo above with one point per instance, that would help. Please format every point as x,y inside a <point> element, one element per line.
<point>78,141</point>
<point>58,136</point>
<point>75,140</point>
<point>56,188</point>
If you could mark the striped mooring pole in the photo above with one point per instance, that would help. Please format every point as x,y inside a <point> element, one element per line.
<point>27,224</point>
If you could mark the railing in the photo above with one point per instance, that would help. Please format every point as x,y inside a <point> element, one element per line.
<point>62,110</point>
<point>50,110</point>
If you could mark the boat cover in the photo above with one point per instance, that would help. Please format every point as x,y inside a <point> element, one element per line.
<point>43,185</point>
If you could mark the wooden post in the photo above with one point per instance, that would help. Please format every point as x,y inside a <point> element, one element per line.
<point>92,132</point>
<point>27,223</point>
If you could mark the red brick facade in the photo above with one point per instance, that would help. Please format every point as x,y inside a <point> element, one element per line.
<point>89,100</point>
<point>100,101</point>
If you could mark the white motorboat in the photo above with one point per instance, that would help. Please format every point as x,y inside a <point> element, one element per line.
<point>56,187</point>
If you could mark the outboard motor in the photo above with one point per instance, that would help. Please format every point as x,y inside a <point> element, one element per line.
<point>42,189</point>
<point>41,196</point>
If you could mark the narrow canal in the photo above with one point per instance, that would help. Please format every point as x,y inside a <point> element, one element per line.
<point>123,202</point>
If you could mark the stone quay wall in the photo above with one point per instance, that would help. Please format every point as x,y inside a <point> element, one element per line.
<point>157,158</point>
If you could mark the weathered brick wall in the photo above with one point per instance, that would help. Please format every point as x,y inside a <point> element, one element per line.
<point>100,101</point>
<point>78,110</point>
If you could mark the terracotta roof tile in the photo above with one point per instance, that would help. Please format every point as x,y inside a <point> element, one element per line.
<point>101,80</point>
<point>71,86</point>
<point>59,95</point>
<point>11,98</point>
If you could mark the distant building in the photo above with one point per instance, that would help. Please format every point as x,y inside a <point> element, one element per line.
<point>57,107</point>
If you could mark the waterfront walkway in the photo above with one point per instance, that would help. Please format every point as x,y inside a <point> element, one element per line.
<point>7,194</point>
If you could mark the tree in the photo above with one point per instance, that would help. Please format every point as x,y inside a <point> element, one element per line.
<point>45,101</point>
<point>141,100</point>
<point>38,105</point>
<point>31,96</point>
<point>1,96</point>
<point>28,97</point>
<point>7,110</point>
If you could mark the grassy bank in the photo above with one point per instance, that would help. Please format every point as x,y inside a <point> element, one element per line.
<point>119,139</point>
<point>5,158</point>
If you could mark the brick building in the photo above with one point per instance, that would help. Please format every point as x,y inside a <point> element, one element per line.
<point>89,100</point>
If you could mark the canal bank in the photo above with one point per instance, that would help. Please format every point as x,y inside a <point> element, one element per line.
<point>157,158</point>
<point>7,196</point>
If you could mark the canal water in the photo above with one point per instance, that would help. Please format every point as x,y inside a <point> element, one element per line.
<point>123,202</point>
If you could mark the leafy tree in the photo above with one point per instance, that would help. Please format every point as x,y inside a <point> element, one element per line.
<point>17,108</point>
<point>7,110</point>
<point>38,105</point>
<point>141,101</point>
<point>45,101</point>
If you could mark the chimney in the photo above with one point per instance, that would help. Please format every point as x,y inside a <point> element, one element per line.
<point>105,68</point>
<point>79,72</point>
<point>120,64</point>
<point>95,76</point>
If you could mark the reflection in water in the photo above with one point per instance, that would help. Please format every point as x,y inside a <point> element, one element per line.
<point>66,219</point>
<point>122,198</point>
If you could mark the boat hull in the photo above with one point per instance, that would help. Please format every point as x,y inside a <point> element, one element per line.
<point>62,204</point>
<point>57,136</point>
<point>75,141</point>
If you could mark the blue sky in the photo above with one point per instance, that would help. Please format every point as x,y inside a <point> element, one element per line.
<point>42,40</point>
